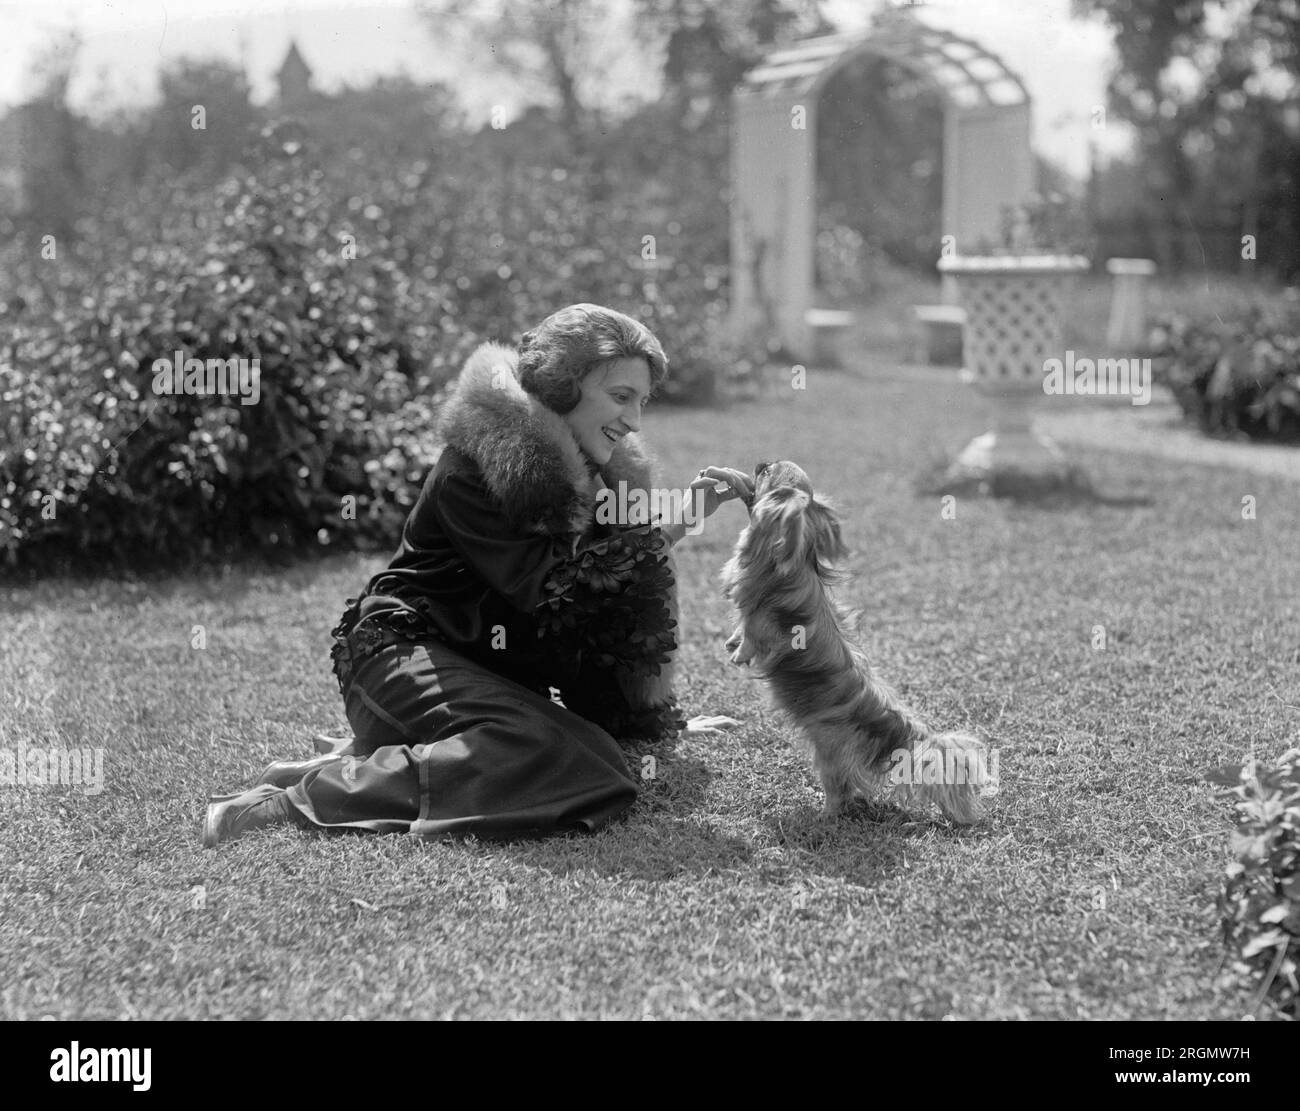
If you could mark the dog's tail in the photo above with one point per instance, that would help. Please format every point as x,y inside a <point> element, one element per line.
<point>951,770</point>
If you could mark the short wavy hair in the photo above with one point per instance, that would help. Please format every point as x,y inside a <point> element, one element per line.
<point>568,345</point>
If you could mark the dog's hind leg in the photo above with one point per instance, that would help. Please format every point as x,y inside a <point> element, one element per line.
<point>835,784</point>
<point>954,773</point>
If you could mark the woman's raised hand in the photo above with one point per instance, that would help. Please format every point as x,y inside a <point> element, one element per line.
<point>705,499</point>
<point>737,485</point>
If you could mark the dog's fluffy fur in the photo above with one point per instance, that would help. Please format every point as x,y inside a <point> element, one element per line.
<point>793,634</point>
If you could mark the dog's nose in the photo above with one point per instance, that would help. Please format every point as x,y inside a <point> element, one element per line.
<point>760,468</point>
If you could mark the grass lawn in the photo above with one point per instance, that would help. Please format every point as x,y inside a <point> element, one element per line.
<point>1089,893</point>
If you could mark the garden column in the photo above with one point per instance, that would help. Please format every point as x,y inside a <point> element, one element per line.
<point>1127,330</point>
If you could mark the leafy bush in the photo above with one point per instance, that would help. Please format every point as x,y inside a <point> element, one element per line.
<point>894,203</point>
<point>1046,223</point>
<point>1260,900</point>
<point>95,464</point>
<point>842,277</point>
<point>95,467</point>
<point>1237,374</point>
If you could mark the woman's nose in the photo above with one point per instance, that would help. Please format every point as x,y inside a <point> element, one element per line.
<point>632,417</point>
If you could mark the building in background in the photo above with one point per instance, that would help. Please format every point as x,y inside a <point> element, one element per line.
<point>294,80</point>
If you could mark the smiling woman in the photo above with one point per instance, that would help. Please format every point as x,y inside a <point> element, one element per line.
<point>507,586</point>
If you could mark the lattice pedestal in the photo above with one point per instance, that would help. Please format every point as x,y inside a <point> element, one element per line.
<point>1013,326</point>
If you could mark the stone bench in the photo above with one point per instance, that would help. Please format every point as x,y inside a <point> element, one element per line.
<point>939,340</point>
<point>829,328</point>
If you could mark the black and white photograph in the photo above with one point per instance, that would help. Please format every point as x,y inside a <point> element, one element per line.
<point>651,510</point>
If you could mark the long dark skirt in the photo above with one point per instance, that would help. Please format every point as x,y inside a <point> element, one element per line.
<point>443,746</point>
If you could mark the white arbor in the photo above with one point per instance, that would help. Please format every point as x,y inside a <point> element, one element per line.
<point>987,161</point>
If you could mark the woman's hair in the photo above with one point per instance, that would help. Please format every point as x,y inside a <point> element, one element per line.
<point>564,348</point>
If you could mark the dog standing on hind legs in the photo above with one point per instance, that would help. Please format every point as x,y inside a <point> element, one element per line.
<point>793,634</point>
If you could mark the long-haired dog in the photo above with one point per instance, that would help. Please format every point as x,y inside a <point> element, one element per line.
<point>792,632</point>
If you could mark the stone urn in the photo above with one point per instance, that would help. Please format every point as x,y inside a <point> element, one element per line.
<point>1013,306</point>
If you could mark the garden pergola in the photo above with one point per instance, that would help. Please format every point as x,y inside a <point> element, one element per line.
<point>987,161</point>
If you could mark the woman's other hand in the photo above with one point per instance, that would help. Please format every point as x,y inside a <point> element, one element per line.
<point>704,499</point>
<point>710,725</point>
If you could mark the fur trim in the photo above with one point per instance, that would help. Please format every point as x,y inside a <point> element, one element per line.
<point>531,464</point>
<point>526,452</point>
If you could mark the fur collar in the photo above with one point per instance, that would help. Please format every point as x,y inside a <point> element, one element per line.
<point>525,451</point>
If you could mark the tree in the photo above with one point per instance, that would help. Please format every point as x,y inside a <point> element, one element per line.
<point>1212,92</point>
<point>50,143</point>
<point>706,46</point>
<point>204,116</point>
<point>393,120</point>
<point>558,49</point>
<point>879,143</point>
<point>564,50</point>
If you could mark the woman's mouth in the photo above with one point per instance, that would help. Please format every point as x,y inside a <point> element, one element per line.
<point>612,437</point>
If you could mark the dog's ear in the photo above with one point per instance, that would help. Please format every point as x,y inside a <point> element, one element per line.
<point>792,534</point>
<point>792,530</point>
<point>823,526</point>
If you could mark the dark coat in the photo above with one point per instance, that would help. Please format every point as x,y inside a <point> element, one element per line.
<point>509,501</point>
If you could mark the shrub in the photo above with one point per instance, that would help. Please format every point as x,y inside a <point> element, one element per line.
<point>1260,900</point>
<point>1235,375</point>
<point>842,277</point>
<point>1047,223</point>
<point>96,466</point>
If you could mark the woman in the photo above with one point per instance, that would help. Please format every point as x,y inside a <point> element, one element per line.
<point>529,564</point>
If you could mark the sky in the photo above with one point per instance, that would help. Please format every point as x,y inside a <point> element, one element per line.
<point>1063,62</point>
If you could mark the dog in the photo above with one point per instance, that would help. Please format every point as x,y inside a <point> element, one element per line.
<point>792,632</point>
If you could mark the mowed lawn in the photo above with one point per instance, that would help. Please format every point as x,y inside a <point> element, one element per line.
<point>1088,893</point>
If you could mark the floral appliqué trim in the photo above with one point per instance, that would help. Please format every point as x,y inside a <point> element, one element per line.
<point>608,604</point>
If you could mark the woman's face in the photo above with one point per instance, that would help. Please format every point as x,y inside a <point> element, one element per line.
<point>614,395</point>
